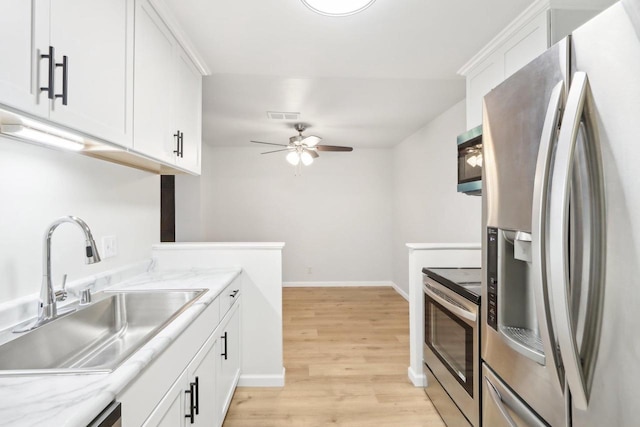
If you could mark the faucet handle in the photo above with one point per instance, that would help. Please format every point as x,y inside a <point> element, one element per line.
<point>85,296</point>
<point>61,295</point>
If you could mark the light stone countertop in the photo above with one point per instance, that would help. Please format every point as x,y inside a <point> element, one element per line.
<point>75,400</point>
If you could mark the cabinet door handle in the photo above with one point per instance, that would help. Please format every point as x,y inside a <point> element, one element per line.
<point>191,392</point>
<point>197,383</point>
<point>181,144</point>
<point>224,353</point>
<point>65,68</point>
<point>51,70</point>
<point>177,137</point>
<point>234,293</point>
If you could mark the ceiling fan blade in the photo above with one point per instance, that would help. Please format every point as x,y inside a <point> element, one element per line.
<point>270,143</point>
<point>276,151</point>
<point>332,148</point>
<point>311,141</point>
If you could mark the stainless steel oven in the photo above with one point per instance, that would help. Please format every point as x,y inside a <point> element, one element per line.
<point>452,347</point>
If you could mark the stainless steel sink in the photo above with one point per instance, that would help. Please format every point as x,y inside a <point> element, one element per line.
<point>96,338</point>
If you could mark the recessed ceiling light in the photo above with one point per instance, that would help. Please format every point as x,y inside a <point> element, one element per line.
<point>337,7</point>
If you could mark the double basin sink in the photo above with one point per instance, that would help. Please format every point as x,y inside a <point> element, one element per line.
<point>96,338</point>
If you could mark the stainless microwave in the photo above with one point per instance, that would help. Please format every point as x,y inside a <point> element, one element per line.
<point>470,162</point>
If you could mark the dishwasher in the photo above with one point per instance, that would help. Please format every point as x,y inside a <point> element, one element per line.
<point>110,417</point>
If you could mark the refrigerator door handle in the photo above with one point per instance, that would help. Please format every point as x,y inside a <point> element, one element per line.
<point>558,243</point>
<point>539,225</point>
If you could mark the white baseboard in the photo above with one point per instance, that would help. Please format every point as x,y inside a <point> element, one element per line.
<point>418,380</point>
<point>339,284</point>
<point>399,290</point>
<point>262,380</point>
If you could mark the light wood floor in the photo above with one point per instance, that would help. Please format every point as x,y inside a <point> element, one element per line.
<point>346,353</point>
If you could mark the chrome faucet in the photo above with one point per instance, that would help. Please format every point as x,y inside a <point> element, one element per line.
<point>48,302</point>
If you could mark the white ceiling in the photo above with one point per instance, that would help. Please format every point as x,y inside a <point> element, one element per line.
<point>366,80</point>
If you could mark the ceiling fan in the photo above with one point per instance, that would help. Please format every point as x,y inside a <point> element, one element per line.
<point>303,148</point>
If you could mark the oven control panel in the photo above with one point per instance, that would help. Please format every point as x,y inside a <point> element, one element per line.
<point>492,277</point>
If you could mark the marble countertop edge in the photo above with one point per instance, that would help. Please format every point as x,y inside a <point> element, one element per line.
<point>75,400</point>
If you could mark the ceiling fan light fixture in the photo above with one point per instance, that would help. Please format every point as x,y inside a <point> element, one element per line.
<point>293,158</point>
<point>306,158</point>
<point>337,7</point>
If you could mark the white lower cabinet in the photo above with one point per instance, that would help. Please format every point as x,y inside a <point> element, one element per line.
<point>192,382</point>
<point>229,362</point>
<point>170,411</point>
<point>191,401</point>
<point>203,376</point>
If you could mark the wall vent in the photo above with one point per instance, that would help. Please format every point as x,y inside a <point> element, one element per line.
<point>282,115</point>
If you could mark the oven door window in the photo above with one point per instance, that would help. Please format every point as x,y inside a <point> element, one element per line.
<point>451,340</point>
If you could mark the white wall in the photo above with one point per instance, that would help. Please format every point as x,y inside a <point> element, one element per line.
<point>335,217</point>
<point>262,351</point>
<point>38,185</point>
<point>427,207</point>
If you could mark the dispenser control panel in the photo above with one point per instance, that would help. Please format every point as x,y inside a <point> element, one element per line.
<point>492,277</point>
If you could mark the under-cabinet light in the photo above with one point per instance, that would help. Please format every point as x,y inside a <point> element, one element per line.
<point>39,136</point>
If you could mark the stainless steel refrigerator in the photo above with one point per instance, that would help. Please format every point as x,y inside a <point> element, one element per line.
<point>561,216</point>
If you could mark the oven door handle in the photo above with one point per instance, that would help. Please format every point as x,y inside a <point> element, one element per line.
<point>460,312</point>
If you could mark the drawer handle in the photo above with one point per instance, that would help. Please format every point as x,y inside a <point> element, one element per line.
<point>224,353</point>
<point>234,293</point>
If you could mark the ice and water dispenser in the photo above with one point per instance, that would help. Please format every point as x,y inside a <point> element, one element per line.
<point>511,284</point>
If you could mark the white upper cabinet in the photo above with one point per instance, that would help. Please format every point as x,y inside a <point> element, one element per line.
<point>68,61</point>
<point>168,94</point>
<point>97,40</point>
<point>188,104</point>
<point>543,24</point>
<point>154,77</point>
<point>119,72</point>
<point>18,59</point>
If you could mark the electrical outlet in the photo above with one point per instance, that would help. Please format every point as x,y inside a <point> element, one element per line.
<point>309,271</point>
<point>109,247</point>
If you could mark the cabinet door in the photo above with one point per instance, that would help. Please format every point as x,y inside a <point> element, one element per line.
<point>188,111</point>
<point>202,373</point>
<point>24,31</point>
<point>171,409</point>
<point>96,37</point>
<point>153,86</point>
<point>229,367</point>
<point>527,44</point>
<point>485,77</point>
